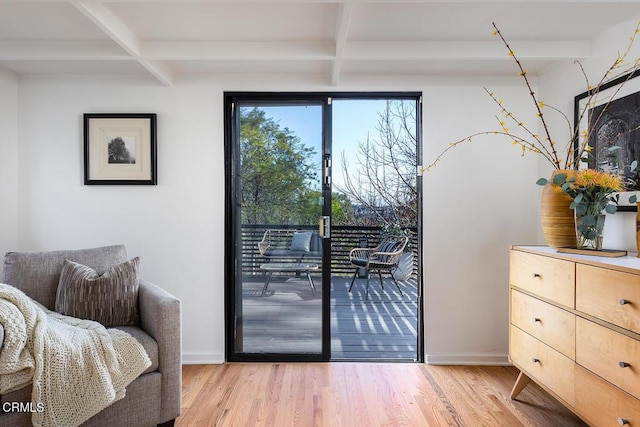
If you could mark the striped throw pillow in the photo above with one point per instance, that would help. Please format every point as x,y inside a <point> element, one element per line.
<point>110,298</point>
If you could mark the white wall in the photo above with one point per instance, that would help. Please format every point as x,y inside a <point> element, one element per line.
<point>481,199</point>
<point>558,87</point>
<point>177,227</point>
<point>8,162</point>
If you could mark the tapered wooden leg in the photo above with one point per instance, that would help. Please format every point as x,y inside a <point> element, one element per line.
<point>521,383</point>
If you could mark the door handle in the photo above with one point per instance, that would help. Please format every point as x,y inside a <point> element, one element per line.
<point>325,227</point>
<point>326,170</point>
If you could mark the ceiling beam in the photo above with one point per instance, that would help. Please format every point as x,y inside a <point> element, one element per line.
<point>62,51</point>
<point>159,71</point>
<point>290,51</point>
<point>342,32</point>
<point>342,50</point>
<point>187,50</point>
<point>112,26</point>
<point>406,50</point>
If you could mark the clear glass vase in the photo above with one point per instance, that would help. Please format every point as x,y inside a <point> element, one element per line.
<point>589,230</point>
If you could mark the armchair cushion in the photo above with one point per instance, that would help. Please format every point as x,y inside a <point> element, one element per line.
<point>110,299</point>
<point>150,345</point>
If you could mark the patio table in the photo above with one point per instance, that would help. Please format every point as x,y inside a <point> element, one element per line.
<point>272,267</point>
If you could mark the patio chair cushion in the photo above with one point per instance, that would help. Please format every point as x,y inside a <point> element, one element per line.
<point>110,299</point>
<point>359,262</point>
<point>301,241</point>
<point>315,246</point>
<point>389,246</point>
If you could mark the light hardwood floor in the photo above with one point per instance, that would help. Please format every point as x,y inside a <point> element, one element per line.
<point>362,394</point>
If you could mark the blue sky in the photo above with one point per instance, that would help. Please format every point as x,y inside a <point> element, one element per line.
<point>352,121</point>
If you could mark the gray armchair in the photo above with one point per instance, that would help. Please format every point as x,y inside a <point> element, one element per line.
<point>154,398</point>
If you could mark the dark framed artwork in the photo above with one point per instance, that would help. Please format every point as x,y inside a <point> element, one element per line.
<point>120,149</point>
<point>612,122</point>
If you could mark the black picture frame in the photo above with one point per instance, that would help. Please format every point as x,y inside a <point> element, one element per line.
<point>617,141</point>
<point>120,149</point>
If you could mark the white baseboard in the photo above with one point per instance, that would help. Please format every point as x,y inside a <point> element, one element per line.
<point>202,358</point>
<point>430,359</point>
<point>468,359</point>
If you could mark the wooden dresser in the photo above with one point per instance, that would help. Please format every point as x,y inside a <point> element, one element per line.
<point>575,330</point>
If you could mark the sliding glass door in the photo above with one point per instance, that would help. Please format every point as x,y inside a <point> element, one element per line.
<point>310,177</point>
<point>279,179</point>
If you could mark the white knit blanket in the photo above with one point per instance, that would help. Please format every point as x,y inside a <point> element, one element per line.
<point>77,367</point>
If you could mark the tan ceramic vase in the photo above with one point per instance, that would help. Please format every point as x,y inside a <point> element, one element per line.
<point>558,223</point>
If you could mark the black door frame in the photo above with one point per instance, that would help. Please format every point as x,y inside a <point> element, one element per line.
<point>232,235</point>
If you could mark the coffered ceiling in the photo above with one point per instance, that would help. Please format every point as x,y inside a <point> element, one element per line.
<point>170,40</point>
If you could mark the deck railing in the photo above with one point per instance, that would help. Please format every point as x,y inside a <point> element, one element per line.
<point>343,239</point>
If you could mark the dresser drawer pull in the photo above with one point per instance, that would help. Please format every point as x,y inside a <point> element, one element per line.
<point>536,275</point>
<point>537,319</point>
<point>623,364</point>
<point>623,422</point>
<point>535,360</point>
<point>623,301</point>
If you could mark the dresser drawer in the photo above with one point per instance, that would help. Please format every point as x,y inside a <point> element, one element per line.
<point>547,277</point>
<point>549,324</point>
<point>542,363</point>
<point>609,295</point>
<point>602,404</point>
<point>607,353</point>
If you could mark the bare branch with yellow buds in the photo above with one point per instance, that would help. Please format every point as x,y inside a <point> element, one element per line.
<point>546,146</point>
<point>554,155</point>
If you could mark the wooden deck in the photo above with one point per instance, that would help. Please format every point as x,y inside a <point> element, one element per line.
<point>287,319</point>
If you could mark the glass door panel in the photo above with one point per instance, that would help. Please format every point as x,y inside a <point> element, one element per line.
<point>375,314</point>
<point>279,296</point>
